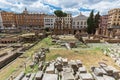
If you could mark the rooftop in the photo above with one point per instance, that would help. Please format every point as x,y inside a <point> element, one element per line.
<point>80,17</point>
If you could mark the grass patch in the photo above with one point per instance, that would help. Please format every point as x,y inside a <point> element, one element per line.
<point>53,57</point>
<point>47,41</point>
<point>88,57</point>
<point>44,43</point>
<point>34,69</point>
<point>97,48</point>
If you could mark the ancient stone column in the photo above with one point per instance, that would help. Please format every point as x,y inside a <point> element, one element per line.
<point>111,34</point>
<point>97,31</point>
<point>107,33</point>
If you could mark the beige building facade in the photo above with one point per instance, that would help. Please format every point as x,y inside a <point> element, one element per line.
<point>114,18</point>
<point>68,19</point>
<point>63,26</point>
<point>1,22</point>
<point>49,21</point>
<point>113,29</point>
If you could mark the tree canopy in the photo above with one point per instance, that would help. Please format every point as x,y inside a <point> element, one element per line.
<point>60,13</point>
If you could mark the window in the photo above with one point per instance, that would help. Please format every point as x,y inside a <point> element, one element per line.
<point>81,22</point>
<point>117,24</point>
<point>47,24</point>
<point>77,23</point>
<point>84,23</point>
<point>51,20</point>
<point>73,23</point>
<point>113,23</point>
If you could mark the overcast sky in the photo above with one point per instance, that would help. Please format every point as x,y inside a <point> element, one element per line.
<point>71,6</point>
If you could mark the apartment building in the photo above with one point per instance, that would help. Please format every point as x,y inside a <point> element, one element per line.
<point>49,21</point>
<point>114,18</point>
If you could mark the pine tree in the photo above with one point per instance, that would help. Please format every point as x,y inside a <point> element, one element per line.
<point>97,20</point>
<point>90,23</point>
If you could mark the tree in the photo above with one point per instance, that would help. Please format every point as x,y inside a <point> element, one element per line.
<point>47,29</point>
<point>91,24</point>
<point>97,20</point>
<point>60,13</point>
